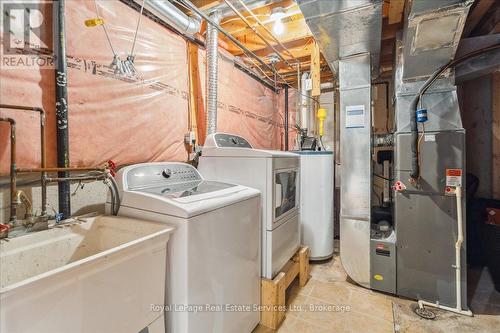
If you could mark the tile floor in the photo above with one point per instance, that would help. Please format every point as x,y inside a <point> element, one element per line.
<point>330,303</point>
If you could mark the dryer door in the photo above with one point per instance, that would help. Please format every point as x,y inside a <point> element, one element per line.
<point>285,196</point>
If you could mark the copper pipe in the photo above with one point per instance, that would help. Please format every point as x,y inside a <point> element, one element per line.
<point>77,178</point>
<point>43,151</point>
<point>13,190</point>
<point>25,170</point>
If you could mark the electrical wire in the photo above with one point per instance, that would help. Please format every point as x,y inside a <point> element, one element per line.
<point>382,177</point>
<point>415,169</point>
<point>137,28</point>
<point>104,28</point>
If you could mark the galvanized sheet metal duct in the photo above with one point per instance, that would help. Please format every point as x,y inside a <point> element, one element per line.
<point>212,72</point>
<point>431,35</point>
<point>345,27</point>
<point>173,16</point>
<point>420,52</point>
<point>349,33</point>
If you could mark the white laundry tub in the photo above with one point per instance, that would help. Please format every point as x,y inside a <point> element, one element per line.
<point>101,275</point>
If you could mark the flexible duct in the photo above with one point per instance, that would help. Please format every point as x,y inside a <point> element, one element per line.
<point>212,70</point>
<point>173,16</point>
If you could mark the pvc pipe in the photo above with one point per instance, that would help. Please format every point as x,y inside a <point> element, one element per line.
<point>447,308</point>
<point>458,246</point>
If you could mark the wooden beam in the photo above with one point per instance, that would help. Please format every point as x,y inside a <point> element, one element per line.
<point>195,96</point>
<point>477,13</point>
<point>495,110</point>
<point>389,30</point>
<point>298,48</point>
<point>396,8</point>
<point>491,23</point>
<point>315,70</point>
<point>206,4</point>
<point>295,29</point>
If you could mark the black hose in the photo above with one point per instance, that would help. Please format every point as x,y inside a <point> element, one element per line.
<point>112,193</point>
<point>415,166</point>
<point>382,177</point>
<point>118,200</point>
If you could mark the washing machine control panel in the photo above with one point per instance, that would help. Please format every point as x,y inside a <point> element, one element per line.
<point>228,140</point>
<point>180,173</point>
<point>157,174</point>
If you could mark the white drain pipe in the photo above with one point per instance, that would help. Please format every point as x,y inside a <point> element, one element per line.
<point>458,258</point>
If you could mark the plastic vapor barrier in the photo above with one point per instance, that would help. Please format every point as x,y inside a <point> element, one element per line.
<point>130,119</point>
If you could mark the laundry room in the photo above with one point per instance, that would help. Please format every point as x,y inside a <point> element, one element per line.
<point>249,166</point>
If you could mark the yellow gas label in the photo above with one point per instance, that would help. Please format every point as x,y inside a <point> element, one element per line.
<point>378,277</point>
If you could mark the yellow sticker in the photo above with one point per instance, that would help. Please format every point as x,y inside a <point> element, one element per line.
<point>378,277</point>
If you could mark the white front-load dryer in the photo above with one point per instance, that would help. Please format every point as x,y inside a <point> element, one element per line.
<point>231,158</point>
<point>213,277</point>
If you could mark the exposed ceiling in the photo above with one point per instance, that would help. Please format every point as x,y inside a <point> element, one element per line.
<point>298,40</point>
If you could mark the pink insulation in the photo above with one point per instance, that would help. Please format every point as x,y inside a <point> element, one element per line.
<point>131,120</point>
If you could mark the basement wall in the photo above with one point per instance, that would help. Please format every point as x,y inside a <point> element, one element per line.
<point>476,106</point>
<point>127,120</point>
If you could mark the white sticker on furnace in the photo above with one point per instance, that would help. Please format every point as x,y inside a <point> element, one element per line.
<point>430,138</point>
<point>454,177</point>
<point>355,116</point>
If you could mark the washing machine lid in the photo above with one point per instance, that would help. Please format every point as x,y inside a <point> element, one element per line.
<point>187,189</point>
<point>230,145</point>
<point>311,152</point>
<point>176,189</point>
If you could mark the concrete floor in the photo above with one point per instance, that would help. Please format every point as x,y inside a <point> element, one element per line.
<point>330,303</point>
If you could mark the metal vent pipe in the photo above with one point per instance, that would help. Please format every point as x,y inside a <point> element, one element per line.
<point>173,16</point>
<point>212,70</point>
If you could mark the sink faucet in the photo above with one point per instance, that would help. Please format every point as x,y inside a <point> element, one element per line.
<point>22,198</point>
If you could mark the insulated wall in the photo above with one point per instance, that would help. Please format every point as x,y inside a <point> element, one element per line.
<point>129,119</point>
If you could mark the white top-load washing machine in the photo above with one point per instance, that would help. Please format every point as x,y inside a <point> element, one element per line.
<point>231,158</point>
<point>214,259</point>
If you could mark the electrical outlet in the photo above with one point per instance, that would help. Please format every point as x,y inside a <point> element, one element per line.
<point>189,138</point>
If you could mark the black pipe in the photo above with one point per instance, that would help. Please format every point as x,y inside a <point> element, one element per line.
<point>255,77</point>
<point>286,118</point>
<point>62,110</point>
<point>415,166</point>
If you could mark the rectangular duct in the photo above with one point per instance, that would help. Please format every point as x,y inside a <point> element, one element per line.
<point>345,27</point>
<point>355,170</point>
<point>349,33</point>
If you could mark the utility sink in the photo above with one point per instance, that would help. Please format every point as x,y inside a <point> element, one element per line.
<point>100,274</point>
